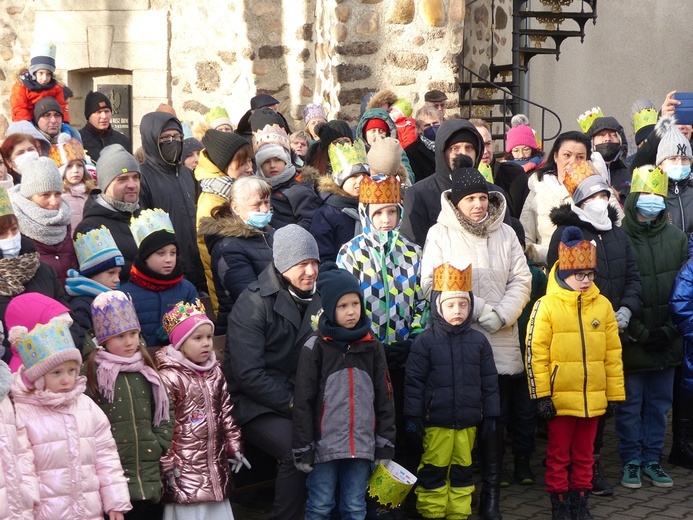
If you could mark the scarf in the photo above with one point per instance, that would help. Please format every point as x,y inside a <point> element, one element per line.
<point>77,189</point>
<point>111,365</point>
<point>178,356</point>
<point>284,176</point>
<point>144,277</point>
<point>25,392</point>
<point>29,81</point>
<point>78,285</point>
<point>109,202</point>
<point>220,186</point>
<point>431,145</point>
<point>603,225</point>
<point>16,272</point>
<point>48,226</point>
<point>343,336</point>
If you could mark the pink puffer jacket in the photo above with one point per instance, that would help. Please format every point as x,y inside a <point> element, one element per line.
<point>18,484</point>
<point>80,476</point>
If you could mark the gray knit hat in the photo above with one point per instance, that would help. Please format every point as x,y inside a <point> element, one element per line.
<point>590,186</point>
<point>293,245</point>
<point>672,142</point>
<point>39,175</point>
<point>113,161</point>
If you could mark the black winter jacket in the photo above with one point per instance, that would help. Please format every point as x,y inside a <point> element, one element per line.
<point>293,203</point>
<point>95,140</point>
<point>421,159</point>
<point>335,222</point>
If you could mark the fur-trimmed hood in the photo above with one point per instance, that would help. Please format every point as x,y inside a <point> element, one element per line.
<point>563,215</point>
<point>382,97</point>
<point>326,187</point>
<point>228,227</point>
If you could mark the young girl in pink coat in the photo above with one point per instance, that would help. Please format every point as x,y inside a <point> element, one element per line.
<point>78,467</point>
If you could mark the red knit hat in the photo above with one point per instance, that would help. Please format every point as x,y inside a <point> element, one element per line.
<point>376,123</point>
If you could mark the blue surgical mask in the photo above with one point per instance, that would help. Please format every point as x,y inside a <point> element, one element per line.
<point>650,205</point>
<point>258,220</point>
<point>430,132</point>
<point>678,172</point>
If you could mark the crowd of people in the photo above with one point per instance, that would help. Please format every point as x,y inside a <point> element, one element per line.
<point>387,292</point>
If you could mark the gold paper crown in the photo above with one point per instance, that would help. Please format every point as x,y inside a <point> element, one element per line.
<point>271,134</point>
<point>63,153</point>
<point>385,190</point>
<point>582,255</point>
<point>587,118</point>
<point>649,179</point>
<point>486,172</point>
<point>345,155</point>
<point>577,172</point>
<point>645,117</point>
<point>182,311</point>
<point>448,278</point>
<point>5,204</point>
<point>149,221</point>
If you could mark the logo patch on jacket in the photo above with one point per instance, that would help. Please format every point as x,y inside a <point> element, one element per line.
<point>596,323</point>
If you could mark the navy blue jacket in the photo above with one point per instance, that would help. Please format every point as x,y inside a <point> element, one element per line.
<point>336,222</point>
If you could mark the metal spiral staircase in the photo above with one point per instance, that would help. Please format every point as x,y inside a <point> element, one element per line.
<point>497,98</point>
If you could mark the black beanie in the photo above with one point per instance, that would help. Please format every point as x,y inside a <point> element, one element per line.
<point>95,101</point>
<point>464,135</point>
<point>333,283</point>
<point>222,146</point>
<point>191,145</point>
<point>46,104</point>
<point>331,131</point>
<point>155,241</point>
<point>466,179</point>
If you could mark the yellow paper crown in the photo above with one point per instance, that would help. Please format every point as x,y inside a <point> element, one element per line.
<point>271,134</point>
<point>390,485</point>
<point>5,204</point>
<point>385,190</point>
<point>486,172</point>
<point>586,119</point>
<point>149,221</point>
<point>182,311</point>
<point>649,179</point>
<point>448,278</point>
<point>577,172</point>
<point>582,255</point>
<point>645,117</point>
<point>345,155</point>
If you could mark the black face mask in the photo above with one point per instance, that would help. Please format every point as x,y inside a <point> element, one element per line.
<point>171,152</point>
<point>609,151</point>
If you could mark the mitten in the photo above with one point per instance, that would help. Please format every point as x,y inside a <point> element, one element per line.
<point>303,466</point>
<point>545,408</point>
<point>396,353</point>
<point>491,322</point>
<point>623,316</point>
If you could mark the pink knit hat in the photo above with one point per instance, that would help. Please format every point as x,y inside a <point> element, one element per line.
<point>521,135</point>
<point>181,321</point>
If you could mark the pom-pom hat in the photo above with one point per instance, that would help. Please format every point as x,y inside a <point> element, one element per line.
<point>42,57</point>
<point>522,135</point>
<point>672,142</point>
<point>575,253</point>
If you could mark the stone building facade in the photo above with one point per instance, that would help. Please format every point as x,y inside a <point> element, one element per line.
<point>194,56</point>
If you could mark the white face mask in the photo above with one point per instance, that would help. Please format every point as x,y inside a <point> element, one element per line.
<point>598,209</point>
<point>11,246</point>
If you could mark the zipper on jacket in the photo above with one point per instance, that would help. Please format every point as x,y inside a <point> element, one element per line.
<point>386,287</point>
<point>607,277</point>
<point>210,433</point>
<point>678,197</point>
<point>584,355</point>
<point>552,379</point>
<point>137,439</point>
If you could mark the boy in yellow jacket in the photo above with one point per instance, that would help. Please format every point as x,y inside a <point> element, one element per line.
<point>574,370</point>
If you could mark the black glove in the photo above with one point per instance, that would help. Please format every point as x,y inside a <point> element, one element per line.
<point>414,430</point>
<point>657,340</point>
<point>545,408</point>
<point>487,427</point>
<point>611,408</point>
<point>396,353</point>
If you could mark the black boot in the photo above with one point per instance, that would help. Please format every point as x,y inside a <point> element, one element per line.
<point>560,506</point>
<point>523,471</point>
<point>489,463</point>
<point>579,509</point>
<point>681,449</point>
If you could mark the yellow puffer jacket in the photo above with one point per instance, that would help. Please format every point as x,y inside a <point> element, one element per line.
<point>573,351</point>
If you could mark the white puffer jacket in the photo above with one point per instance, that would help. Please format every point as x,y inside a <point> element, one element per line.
<point>500,276</point>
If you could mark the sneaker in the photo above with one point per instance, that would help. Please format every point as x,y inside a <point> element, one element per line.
<point>504,477</point>
<point>631,475</point>
<point>523,472</point>
<point>656,474</point>
<point>600,486</point>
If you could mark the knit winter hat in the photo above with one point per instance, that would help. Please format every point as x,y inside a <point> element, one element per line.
<point>293,245</point>
<point>42,57</point>
<point>331,131</point>
<point>181,321</point>
<point>583,181</point>
<point>385,156</point>
<point>466,180</point>
<point>46,104</point>
<point>465,135</point>
<point>222,146</point>
<point>313,111</point>
<point>113,161</point>
<point>270,151</point>
<point>404,107</point>
<point>672,142</point>
<point>376,122</point>
<point>333,283</point>
<point>97,252</point>
<point>218,116</point>
<point>262,100</point>
<point>522,135</point>
<point>39,175</point>
<point>94,102</point>
<point>113,313</point>
<point>44,348</point>
<point>191,145</point>
<point>575,253</point>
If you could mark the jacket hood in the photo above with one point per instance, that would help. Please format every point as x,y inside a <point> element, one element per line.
<point>375,113</point>
<point>5,380</point>
<point>634,227</point>
<point>206,169</point>
<point>443,325</point>
<point>379,238</point>
<point>611,123</point>
<point>93,209</point>
<point>150,128</point>
<point>327,187</point>
<point>563,215</point>
<point>381,97</point>
<point>310,175</point>
<point>445,132</point>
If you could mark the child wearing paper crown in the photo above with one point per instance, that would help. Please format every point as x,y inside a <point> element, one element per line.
<point>343,413</point>
<point>156,276</point>
<point>100,263</point>
<point>77,464</point>
<point>71,160</point>
<point>123,381</point>
<point>451,386</point>
<point>574,370</point>
<point>196,470</point>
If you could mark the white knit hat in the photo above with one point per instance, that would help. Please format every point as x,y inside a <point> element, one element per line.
<point>672,142</point>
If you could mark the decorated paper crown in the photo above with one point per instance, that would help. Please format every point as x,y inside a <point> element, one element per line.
<point>65,152</point>
<point>345,155</point>
<point>390,484</point>
<point>149,221</point>
<point>446,277</point>
<point>313,111</point>
<point>581,256</point>
<point>271,134</point>
<point>577,172</point>
<point>216,113</point>
<point>182,311</point>
<point>43,49</point>
<point>587,118</point>
<point>383,190</point>
<point>643,118</point>
<point>96,247</point>
<point>5,204</point>
<point>486,172</point>
<point>649,179</point>
<point>113,313</point>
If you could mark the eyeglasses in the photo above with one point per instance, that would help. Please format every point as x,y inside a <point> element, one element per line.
<point>170,138</point>
<point>581,276</point>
